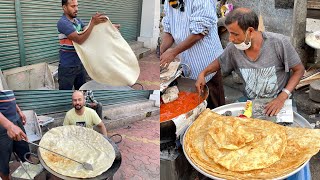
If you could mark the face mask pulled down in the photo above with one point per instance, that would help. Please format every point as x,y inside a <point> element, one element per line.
<point>243,46</point>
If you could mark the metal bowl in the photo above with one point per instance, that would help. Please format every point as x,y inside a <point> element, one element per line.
<point>168,128</point>
<point>237,109</point>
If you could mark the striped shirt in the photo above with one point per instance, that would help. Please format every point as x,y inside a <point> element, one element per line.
<point>8,105</point>
<point>68,55</point>
<point>199,17</point>
<point>89,97</point>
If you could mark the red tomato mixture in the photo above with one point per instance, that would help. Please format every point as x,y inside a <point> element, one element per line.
<point>185,102</point>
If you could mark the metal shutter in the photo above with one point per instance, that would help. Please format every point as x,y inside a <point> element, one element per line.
<point>52,101</point>
<point>9,43</point>
<point>39,19</point>
<point>124,12</point>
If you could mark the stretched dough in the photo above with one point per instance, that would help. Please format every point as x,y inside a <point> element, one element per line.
<point>107,57</point>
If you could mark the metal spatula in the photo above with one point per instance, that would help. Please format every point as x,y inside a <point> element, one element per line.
<point>85,165</point>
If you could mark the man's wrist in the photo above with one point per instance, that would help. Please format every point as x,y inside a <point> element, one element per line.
<point>202,74</point>
<point>287,92</point>
<point>8,125</point>
<point>175,52</point>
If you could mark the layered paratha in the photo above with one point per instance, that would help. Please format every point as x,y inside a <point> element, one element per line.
<point>107,57</point>
<point>81,144</point>
<point>292,147</point>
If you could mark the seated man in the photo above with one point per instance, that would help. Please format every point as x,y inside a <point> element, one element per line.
<point>93,103</point>
<point>82,116</point>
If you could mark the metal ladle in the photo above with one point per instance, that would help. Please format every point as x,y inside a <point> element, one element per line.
<point>85,165</point>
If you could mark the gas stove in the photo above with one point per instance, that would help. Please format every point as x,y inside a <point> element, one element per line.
<point>173,163</point>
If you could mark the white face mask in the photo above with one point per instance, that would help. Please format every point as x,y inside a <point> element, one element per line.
<point>243,46</point>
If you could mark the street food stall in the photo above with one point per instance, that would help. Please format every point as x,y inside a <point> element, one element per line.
<point>180,150</point>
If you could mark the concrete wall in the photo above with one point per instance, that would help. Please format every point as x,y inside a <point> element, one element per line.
<point>277,20</point>
<point>150,17</point>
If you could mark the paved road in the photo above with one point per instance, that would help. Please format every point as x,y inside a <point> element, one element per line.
<point>140,150</point>
<point>149,72</point>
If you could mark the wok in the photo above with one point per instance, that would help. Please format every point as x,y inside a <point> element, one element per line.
<point>168,128</point>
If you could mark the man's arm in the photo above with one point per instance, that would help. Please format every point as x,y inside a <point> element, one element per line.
<point>169,55</point>
<point>167,41</point>
<point>80,38</point>
<point>22,116</point>
<point>274,107</point>
<point>297,73</point>
<point>201,81</point>
<point>13,131</point>
<point>66,120</point>
<point>102,128</point>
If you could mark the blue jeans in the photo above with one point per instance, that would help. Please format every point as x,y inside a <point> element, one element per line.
<point>8,146</point>
<point>71,76</point>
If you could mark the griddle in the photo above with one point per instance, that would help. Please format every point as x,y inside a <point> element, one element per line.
<point>106,175</point>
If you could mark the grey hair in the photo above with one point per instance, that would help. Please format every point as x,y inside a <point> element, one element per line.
<point>245,17</point>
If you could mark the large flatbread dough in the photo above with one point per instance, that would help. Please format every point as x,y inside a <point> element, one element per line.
<point>107,57</point>
<point>301,145</point>
<point>81,144</point>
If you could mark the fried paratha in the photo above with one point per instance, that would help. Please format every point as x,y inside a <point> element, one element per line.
<point>81,144</point>
<point>299,146</point>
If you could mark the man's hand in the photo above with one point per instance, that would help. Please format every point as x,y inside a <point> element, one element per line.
<point>23,117</point>
<point>15,133</point>
<point>93,105</point>
<point>167,57</point>
<point>99,18</point>
<point>116,26</point>
<point>274,107</point>
<point>200,83</point>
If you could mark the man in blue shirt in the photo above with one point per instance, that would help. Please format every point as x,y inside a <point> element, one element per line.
<point>71,71</point>
<point>192,26</point>
<point>11,131</point>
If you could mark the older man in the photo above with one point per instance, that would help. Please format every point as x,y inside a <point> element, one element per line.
<point>83,116</point>
<point>262,59</point>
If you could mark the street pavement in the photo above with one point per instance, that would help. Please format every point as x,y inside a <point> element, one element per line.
<point>140,150</point>
<point>149,72</point>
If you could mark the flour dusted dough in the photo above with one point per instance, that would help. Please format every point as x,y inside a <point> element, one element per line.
<point>107,57</point>
<point>79,143</point>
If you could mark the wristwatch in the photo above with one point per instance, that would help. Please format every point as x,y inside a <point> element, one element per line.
<point>287,91</point>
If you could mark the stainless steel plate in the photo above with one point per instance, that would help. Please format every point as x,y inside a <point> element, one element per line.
<point>237,109</point>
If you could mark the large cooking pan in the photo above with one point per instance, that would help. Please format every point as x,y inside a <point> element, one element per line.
<point>237,109</point>
<point>168,128</point>
<point>106,175</point>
